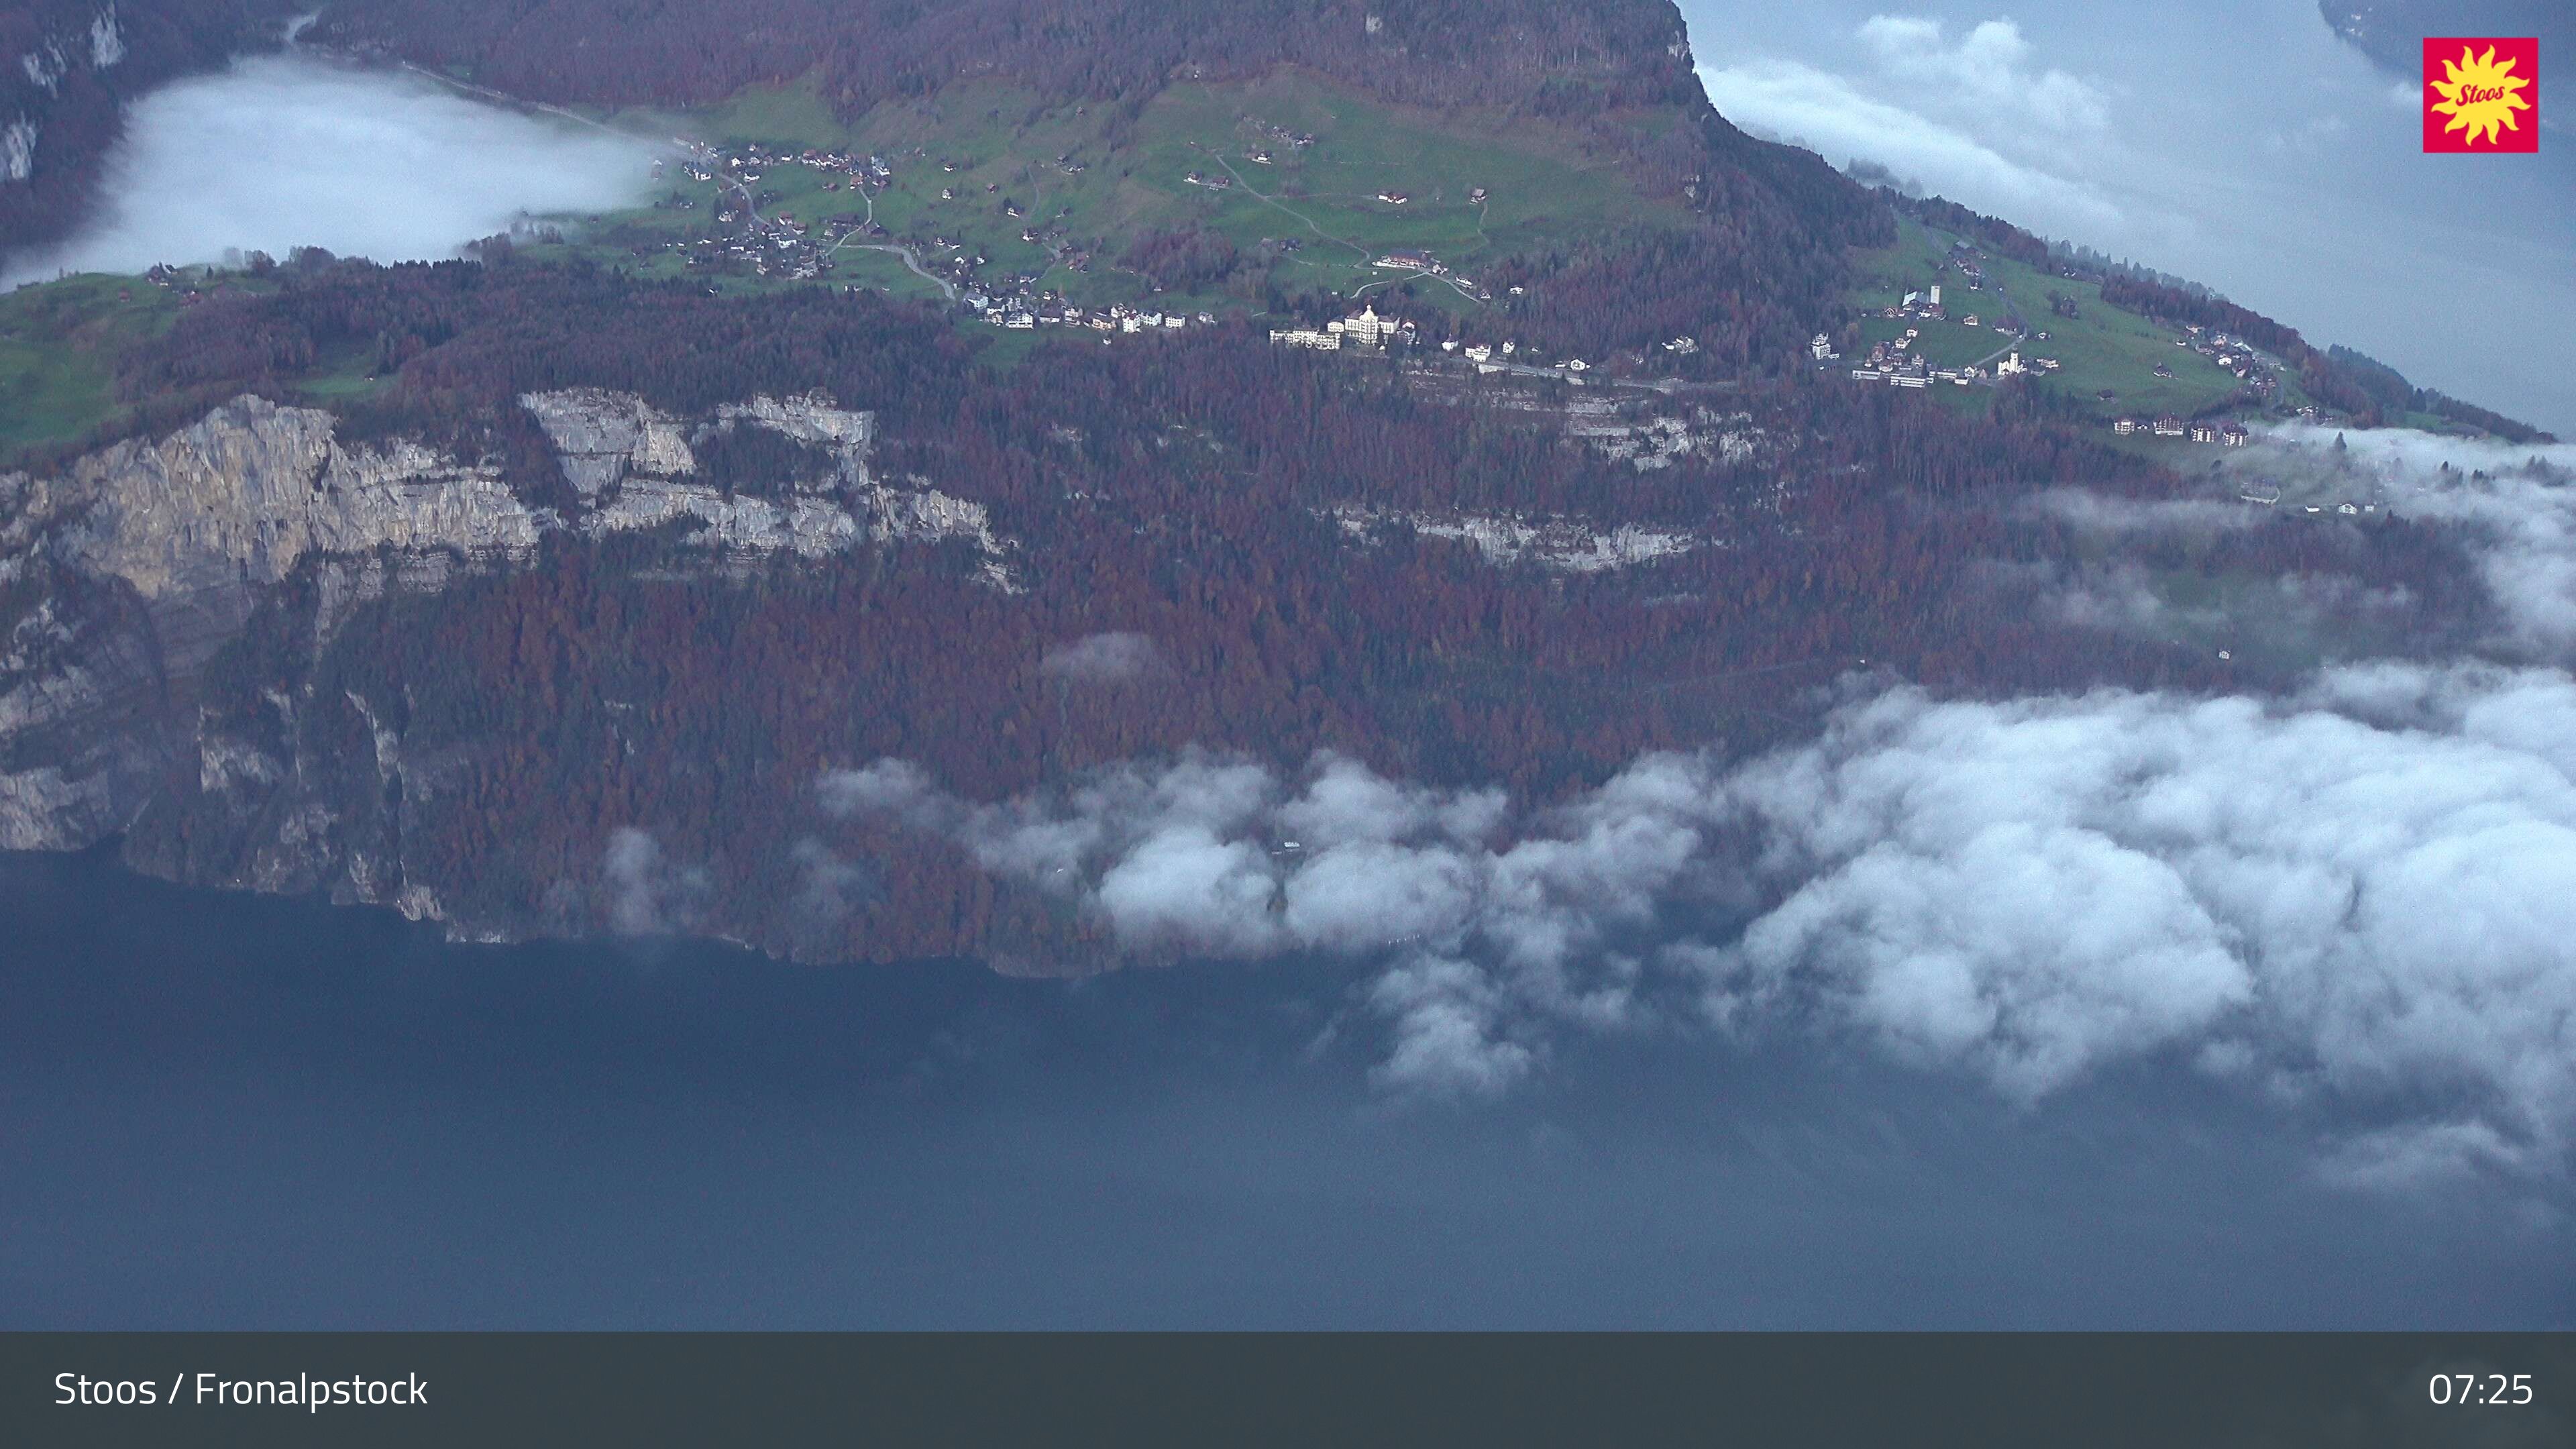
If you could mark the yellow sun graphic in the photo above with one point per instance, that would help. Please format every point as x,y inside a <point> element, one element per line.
<point>2479,95</point>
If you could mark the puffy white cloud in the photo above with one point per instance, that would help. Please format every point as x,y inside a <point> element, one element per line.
<point>1448,1026</point>
<point>2034,950</point>
<point>2361,896</point>
<point>1977,119</point>
<point>1182,886</point>
<point>1345,802</point>
<point>1368,894</point>
<point>2373,907</point>
<point>1219,858</point>
<point>1988,68</point>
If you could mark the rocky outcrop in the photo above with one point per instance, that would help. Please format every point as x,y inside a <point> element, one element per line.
<point>238,498</point>
<point>123,575</point>
<point>601,436</point>
<point>1652,443</point>
<point>634,466</point>
<point>808,420</point>
<point>18,149</point>
<point>83,698</point>
<point>1560,544</point>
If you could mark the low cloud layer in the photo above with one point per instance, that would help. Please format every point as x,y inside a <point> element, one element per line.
<point>279,152</point>
<point>2357,900</point>
<point>1828,113</point>
<point>2510,509</point>
<point>2515,505</point>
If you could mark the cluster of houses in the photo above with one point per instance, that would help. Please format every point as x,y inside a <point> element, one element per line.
<point>1895,362</point>
<point>1408,259</point>
<point>778,244</point>
<point>1020,314</point>
<point>775,243</point>
<point>170,279</point>
<point>1912,372</point>
<point>1294,140</point>
<point>2198,430</point>
<point>1501,358</point>
<point>2265,493</point>
<point>2234,356</point>
<point>746,163</point>
<point>1926,304</point>
<point>773,246</point>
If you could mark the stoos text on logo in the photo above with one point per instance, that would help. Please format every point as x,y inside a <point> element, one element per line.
<point>2481,93</point>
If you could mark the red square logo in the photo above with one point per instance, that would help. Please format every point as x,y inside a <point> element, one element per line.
<point>2481,93</point>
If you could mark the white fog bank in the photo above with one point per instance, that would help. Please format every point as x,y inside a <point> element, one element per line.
<point>278,152</point>
<point>2360,898</point>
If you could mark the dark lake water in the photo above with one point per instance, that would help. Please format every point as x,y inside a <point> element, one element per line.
<point>226,1111</point>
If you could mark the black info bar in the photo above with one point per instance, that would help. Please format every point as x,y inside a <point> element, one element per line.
<point>2108,1391</point>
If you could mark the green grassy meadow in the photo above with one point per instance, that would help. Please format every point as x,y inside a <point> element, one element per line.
<point>1102,181</point>
<point>2102,349</point>
<point>58,344</point>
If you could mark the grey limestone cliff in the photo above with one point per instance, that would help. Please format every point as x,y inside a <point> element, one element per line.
<point>123,575</point>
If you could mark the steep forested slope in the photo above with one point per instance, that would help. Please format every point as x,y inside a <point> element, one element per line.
<point>1099,554</point>
<point>517,592</point>
<point>1561,57</point>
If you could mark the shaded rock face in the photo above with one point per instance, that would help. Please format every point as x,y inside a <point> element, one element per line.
<point>1557,544</point>
<point>1654,443</point>
<point>84,696</point>
<point>125,575</point>
<point>601,436</point>
<point>633,466</point>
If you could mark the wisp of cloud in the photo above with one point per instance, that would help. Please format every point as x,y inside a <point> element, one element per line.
<point>278,152</point>
<point>2515,503</point>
